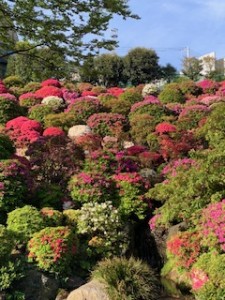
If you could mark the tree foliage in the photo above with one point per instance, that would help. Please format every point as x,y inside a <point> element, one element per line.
<point>192,67</point>
<point>70,27</point>
<point>141,65</point>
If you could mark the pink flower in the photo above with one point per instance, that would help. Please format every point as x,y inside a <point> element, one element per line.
<point>53,131</point>
<point>165,128</point>
<point>199,278</point>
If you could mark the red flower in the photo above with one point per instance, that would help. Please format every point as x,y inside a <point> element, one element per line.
<point>53,131</point>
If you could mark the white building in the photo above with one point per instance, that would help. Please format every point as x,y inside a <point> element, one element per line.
<point>210,63</point>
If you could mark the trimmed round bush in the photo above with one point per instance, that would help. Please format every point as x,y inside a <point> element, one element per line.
<point>7,148</point>
<point>53,249</point>
<point>130,96</point>
<point>127,279</point>
<point>9,110</point>
<point>54,101</point>
<point>51,217</point>
<point>83,108</point>
<point>13,81</point>
<point>24,222</point>
<point>62,120</point>
<point>51,82</point>
<point>53,131</point>
<point>102,226</point>
<point>171,93</point>
<point>107,124</point>
<point>39,111</point>
<point>150,89</point>
<point>46,91</point>
<point>29,99</point>
<point>32,87</point>
<point>118,106</point>
<point>89,187</point>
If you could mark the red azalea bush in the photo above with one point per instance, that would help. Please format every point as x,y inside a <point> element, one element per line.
<point>211,226</point>
<point>46,91</point>
<point>51,82</point>
<point>208,86</point>
<point>23,131</point>
<point>171,168</point>
<point>51,217</point>
<point>107,123</point>
<point>53,131</point>
<point>165,127</point>
<point>185,248</point>
<point>88,93</point>
<point>115,91</point>
<point>53,249</point>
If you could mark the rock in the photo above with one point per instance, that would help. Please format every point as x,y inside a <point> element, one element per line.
<point>78,130</point>
<point>62,295</point>
<point>93,290</point>
<point>38,284</point>
<point>173,230</point>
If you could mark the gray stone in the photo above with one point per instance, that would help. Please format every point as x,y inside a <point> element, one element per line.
<point>93,290</point>
<point>37,285</point>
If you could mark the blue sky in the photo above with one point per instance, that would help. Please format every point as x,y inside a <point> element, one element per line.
<point>168,26</point>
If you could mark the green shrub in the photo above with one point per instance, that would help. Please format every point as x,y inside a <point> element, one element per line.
<point>62,120</point>
<point>104,98</point>
<point>208,276</point>
<point>53,249</point>
<point>119,106</point>
<point>7,148</point>
<point>130,96</point>
<point>141,126</point>
<point>10,272</point>
<point>71,217</point>
<point>9,110</point>
<point>171,93</point>
<point>39,111</point>
<point>189,87</point>
<point>24,222</point>
<point>49,195</point>
<point>32,87</point>
<point>6,242</point>
<point>15,184</point>
<point>127,279</point>
<point>13,81</point>
<point>51,217</point>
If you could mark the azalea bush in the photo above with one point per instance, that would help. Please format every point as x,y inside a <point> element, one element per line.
<point>24,222</point>
<point>103,228</point>
<point>46,91</point>
<point>131,189</point>
<point>39,111</point>
<point>88,187</point>
<point>8,110</point>
<point>51,217</point>
<point>15,182</point>
<point>107,124</point>
<point>53,249</point>
<point>29,99</point>
<point>54,159</point>
<point>7,243</point>
<point>171,93</point>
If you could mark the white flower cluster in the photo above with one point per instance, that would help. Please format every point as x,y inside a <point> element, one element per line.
<point>54,101</point>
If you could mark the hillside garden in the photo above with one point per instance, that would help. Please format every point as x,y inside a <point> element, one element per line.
<point>94,179</point>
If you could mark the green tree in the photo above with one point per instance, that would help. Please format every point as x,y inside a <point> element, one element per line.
<point>87,71</point>
<point>37,64</point>
<point>70,27</point>
<point>109,68</point>
<point>168,72</point>
<point>141,65</point>
<point>192,67</point>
